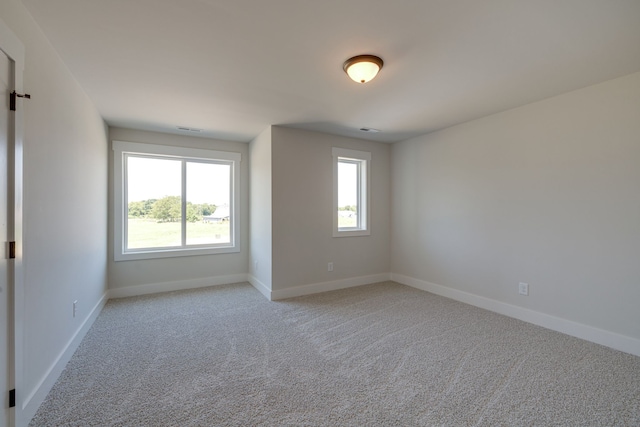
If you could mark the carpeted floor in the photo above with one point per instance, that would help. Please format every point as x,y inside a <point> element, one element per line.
<point>382,354</point>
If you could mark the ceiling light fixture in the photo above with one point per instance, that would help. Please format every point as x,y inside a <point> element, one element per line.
<point>362,68</point>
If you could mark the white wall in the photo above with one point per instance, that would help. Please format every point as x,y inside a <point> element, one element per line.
<point>261,212</point>
<point>548,194</point>
<point>154,275</point>
<point>303,241</point>
<point>65,209</point>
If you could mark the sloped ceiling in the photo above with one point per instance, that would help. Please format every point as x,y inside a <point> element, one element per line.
<point>233,67</point>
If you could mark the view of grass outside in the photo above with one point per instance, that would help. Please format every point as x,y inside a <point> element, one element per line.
<point>348,216</point>
<point>149,233</point>
<point>344,221</point>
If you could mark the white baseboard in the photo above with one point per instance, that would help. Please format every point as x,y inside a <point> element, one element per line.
<point>179,285</point>
<point>34,399</point>
<point>264,290</point>
<point>578,330</point>
<point>315,288</point>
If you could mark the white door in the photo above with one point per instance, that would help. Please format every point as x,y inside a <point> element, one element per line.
<point>5,323</point>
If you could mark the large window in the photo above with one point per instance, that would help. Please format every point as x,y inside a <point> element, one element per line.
<point>172,201</point>
<point>350,192</point>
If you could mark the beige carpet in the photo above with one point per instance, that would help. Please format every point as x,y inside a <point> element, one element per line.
<point>381,354</point>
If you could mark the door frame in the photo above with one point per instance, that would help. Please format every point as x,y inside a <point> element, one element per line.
<point>14,49</point>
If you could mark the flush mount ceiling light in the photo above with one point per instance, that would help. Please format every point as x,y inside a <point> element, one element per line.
<point>362,68</point>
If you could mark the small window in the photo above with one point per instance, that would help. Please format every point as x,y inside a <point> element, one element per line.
<point>173,201</point>
<point>351,193</point>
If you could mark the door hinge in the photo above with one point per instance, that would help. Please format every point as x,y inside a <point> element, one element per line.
<point>12,398</point>
<point>12,250</point>
<point>13,96</point>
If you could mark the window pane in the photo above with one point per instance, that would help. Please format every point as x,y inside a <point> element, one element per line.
<point>208,203</point>
<point>348,173</point>
<point>154,203</point>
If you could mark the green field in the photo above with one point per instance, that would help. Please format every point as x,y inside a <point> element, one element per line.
<point>148,233</point>
<point>347,222</point>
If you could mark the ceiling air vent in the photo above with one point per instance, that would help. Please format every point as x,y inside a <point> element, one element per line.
<point>186,129</point>
<point>370,130</point>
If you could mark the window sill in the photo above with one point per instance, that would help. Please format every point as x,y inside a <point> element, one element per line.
<point>172,253</point>
<point>351,233</point>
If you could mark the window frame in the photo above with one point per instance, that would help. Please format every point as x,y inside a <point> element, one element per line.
<point>363,160</point>
<point>122,150</point>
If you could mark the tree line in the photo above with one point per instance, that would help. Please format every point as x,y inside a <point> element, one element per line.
<point>168,209</point>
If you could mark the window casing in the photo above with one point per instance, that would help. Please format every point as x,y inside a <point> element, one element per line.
<point>173,201</point>
<point>351,192</point>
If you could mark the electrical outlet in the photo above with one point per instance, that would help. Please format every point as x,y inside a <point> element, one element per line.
<point>330,267</point>
<point>75,306</point>
<point>523,288</point>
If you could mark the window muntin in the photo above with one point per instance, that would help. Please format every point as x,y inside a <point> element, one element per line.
<point>351,197</point>
<point>173,201</point>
